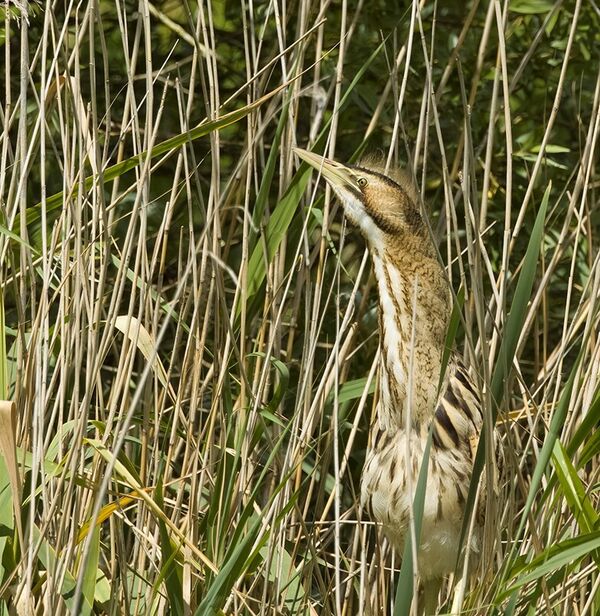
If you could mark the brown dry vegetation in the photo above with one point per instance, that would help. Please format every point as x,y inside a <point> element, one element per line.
<point>190,332</point>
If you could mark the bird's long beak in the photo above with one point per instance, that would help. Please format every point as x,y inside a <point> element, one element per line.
<point>339,176</point>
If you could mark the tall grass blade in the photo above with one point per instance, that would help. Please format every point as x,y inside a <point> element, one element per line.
<point>405,584</point>
<point>168,146</point>
<point>513,328</point>
<point>171,569</point>
<point>567,553</point>
<point>90,572</point>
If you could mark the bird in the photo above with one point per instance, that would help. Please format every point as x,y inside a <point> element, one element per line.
<point>413,396</point>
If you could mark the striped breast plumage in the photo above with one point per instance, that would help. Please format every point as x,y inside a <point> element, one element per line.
<point>392,468</point>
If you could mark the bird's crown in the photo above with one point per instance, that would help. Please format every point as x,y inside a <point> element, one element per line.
<point>389,197</point>
<point>383,205</point>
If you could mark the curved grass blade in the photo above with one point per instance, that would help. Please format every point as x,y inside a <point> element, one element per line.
<point>404,588</point>
<point>171,568</point>
<point>131,327</point>
<point>587,435</point>
<point>281,218</point>
<point>55,201</point>
<point>8,450</point>
<point>541,466</point>
<point>508,346</point>
<point>574,491</point>
<point>518,308</point>
<point>50,561</point>
<point>91,574</point>
<point>107,510</point>
<point>566,553</point>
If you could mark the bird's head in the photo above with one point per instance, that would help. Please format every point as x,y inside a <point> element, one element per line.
<point>381,207</point>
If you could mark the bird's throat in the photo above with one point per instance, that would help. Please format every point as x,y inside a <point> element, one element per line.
<point>414,306</point>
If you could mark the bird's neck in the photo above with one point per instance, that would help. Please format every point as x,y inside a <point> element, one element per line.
<point>414,307</point>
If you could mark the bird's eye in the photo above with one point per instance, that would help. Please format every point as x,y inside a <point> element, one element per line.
<point>362,182</point>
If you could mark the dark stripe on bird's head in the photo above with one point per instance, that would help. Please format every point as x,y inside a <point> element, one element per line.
<point>410,209</point>
<point>388,180</point>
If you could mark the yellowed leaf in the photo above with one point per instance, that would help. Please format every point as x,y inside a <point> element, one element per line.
<point>140,336</point>
<point>106,512</point>
<point>8,446</point>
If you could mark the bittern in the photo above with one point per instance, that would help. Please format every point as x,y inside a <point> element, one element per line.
<point>414,312</point>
